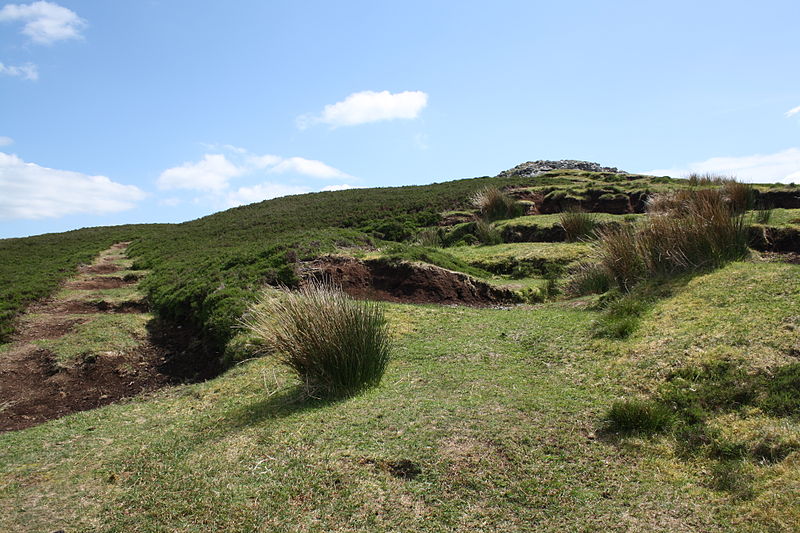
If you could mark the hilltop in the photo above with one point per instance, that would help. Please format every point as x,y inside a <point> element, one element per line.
<point>498,408</point>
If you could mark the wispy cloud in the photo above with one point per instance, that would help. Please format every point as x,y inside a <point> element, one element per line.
<point>28,71</point>
<point>368,106</point>
<point>31,191</point>
<point>5,141</point>
<point>44,22</point>
<point>792,112</point>
<point>783,166</point>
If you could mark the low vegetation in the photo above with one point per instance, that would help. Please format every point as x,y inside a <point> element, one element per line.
<point>578,225</point>
<point>493,204</point>
<point>663,396</point>
<point>337,346</point>
<point>689,232</point>
<point>33,267</point>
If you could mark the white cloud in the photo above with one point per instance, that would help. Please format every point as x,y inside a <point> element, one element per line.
<point>28,71</point>
<point>368,106</point>
<point>262,191</point>
<point>45,22</point>
<point>5,141</point>
<point>793,111</point>
<point>212,173</point>
<point>779,167</point>
<point>307,167</point>
<point>341,187</point>
<point>31,191</point>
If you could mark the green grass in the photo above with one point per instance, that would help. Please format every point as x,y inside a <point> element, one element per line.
<point>102,333</point>
<point>524,259</point>
<point>111,296</point>
<point>783,218</point>
<point>485,419</point>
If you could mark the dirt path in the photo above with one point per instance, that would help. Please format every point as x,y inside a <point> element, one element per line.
<point>89,345</point>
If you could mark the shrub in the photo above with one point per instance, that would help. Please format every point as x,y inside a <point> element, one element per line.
<point>494,204</point>
<point>638,416</point>
<point>577,224</point>
<point>337,346</point>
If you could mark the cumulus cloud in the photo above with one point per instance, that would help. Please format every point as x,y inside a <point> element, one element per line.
<point>792,112</point>
<point>368,106</point>
<point>211,173</point>
<point>307,167</point>
<point>214,172</point>
<point>28,71</point>
<point>261,192</point>
<point>5,141</point>
<point>45,22</point>
<point>779,167</point>
<point>31,191</point>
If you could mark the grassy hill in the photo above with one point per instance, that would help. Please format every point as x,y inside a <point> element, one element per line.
<point>495,418</point>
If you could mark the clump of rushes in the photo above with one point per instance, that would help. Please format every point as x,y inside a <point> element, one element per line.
<point>494,204</point>
<point>337,346</point>
<point>763,215</point>
<point>487,233</point>
<point>577,224</point>
<point>430,237</point>
<point>685,232</point>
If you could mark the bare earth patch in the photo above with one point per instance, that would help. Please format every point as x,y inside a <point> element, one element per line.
<point>36,384</point>
<point>402,281</point>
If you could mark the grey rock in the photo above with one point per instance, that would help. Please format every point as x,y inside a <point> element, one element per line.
<point>534,168</point>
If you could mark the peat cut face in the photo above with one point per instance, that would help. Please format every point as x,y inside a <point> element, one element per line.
<point>403,281</point>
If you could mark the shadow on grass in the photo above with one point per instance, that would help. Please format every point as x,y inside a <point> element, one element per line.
<point>284,403</point>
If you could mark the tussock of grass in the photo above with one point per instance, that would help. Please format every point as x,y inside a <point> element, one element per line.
<point>493,204</point>
<point>487,233</point>
<point>695,230</point>
<point>638,416</point>
<point>577,224</point>
<point>336,346</point>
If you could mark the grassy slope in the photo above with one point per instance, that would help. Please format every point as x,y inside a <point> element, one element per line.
<point>32,267</point>
<point>205,271</point>
<point>498,408</point>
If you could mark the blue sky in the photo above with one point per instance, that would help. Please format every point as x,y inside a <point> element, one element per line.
<point>165,111</point>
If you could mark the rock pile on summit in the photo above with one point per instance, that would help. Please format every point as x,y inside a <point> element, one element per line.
<point>534,168</point>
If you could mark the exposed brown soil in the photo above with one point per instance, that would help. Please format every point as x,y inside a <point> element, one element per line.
<point>402,281</point>
<point>775,239</point>
<point>34,388</point>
